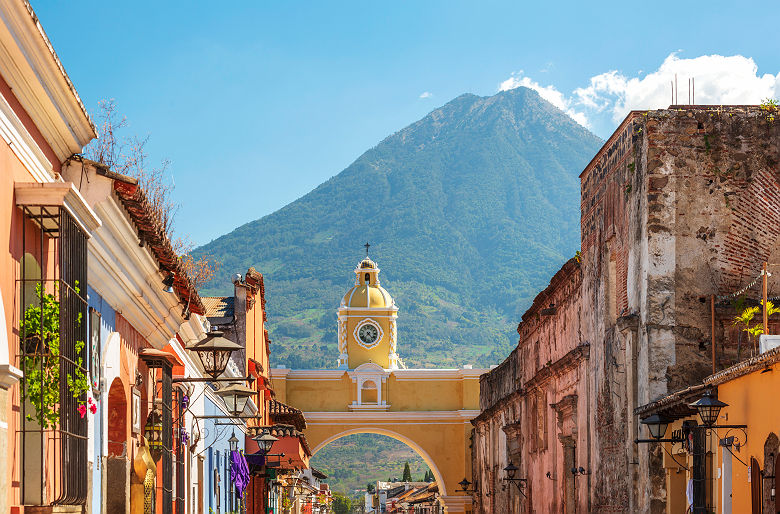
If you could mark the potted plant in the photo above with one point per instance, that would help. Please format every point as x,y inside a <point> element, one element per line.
<point>40,334</point>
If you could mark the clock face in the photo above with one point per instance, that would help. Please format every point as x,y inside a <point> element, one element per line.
<point>368,334</point>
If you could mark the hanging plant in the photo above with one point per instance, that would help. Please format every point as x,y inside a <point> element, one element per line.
<point>40,333</point>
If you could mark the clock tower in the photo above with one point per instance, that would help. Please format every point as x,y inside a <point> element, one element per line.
<point>367,321</point>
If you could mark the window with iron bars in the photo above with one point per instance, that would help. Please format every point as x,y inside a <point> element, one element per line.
<point>52,310</point>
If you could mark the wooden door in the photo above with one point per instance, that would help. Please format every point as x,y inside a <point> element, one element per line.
<point>755,486</point>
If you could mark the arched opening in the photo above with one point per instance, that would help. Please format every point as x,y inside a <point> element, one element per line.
<point>117,496</point>
<point>366,446</point>
<point>368,392</point>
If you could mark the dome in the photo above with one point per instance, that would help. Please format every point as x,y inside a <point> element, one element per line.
<point>375,298</point>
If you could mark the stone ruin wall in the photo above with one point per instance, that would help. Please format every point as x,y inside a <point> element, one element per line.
<point>532,399</point>
<point>679,205</point>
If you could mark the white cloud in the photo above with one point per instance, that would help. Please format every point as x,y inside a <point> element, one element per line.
<point>549,93</point>
<point>717,80</point>
<point>426,94</point>
<point>609,96</point>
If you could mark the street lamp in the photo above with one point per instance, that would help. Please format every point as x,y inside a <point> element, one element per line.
<point>511,470</point>
<point>214,352</point>
<point>656,424</point>
<point>464,487</point>
<point>233,441</point>
<point>265,442</point>
<point>236,397</point>
<point>708,408</point>
<point>168,283</point>
<point>153,433</point>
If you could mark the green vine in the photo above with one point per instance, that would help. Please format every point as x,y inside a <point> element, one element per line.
<point>40,333</point>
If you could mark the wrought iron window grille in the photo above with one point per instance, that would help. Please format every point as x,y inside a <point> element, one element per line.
<point>53,348</point>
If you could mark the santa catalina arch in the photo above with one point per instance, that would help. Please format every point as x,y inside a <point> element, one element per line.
<point>369,392</point>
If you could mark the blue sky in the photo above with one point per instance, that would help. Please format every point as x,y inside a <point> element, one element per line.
<point>256,103</point>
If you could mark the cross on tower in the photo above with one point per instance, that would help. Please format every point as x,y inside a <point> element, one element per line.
<point>366,245</point>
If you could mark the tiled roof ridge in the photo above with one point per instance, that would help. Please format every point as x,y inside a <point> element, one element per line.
<point>134,200</point>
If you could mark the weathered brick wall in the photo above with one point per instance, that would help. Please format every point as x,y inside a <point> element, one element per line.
<point>609,241</point>
<point>680,204</point>
<point>530,404</point>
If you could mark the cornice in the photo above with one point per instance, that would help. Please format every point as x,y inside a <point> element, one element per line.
<point>390,417</point>
<point>63,194</point>
<point>308,374</point>
<point>126,275</point>
<point>36,76</point>
<point>438,374</point>
<point>24,146</point>
<point>399,374</point>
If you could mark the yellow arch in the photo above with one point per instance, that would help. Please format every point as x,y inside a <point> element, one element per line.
<point>398,437</point>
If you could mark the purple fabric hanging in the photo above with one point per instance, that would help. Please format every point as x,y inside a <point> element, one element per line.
<point>239,472</point>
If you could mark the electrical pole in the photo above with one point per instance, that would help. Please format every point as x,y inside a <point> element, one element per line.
<point>764,281</point>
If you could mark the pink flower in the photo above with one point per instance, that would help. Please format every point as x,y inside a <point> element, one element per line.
<point>92,408</point>
<point>83,410</point>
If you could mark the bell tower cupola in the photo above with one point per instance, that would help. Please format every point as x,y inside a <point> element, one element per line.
<point>367,321</point>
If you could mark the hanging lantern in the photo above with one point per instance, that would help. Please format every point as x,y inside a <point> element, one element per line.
<point>265,442</point>
<point>656,424</point>
<point>236,397</point>
<point>214,352</point>
<point>153,433</point>
<point>708,408</point>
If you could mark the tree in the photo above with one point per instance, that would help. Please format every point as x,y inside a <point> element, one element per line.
<point>407,473</point>
<point>370,488</point>
<point>341,504</point>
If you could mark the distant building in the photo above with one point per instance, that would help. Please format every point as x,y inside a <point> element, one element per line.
<point>679,210</point>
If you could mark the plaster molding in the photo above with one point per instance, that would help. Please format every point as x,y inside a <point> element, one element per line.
<point>63,194</point>
<point>39,82</point>
<point>438,374</point>
<point>127,276</point>
<point>308,374</point>
<point>15,134</point>
<point>354,406</point>
<point>344,418</point>
<point>9,375</point>
<point>280,373</point>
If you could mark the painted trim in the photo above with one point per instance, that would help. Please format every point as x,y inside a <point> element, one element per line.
<point>16,135</point>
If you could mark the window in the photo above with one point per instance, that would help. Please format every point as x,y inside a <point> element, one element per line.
<point>53,334</point>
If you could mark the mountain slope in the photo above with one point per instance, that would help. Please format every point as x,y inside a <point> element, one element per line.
<point>469,211</point>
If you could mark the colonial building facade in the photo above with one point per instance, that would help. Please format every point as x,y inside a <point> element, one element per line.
<point>679,210</point>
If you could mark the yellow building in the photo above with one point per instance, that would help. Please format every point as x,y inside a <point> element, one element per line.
<point>367,317</point>
<point>740,463</point>
<point>370,392</point>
